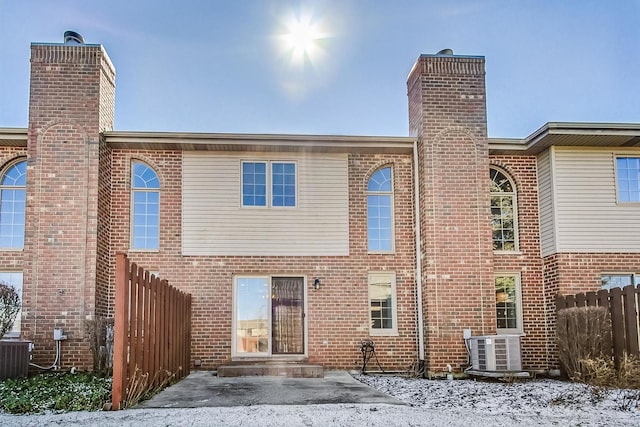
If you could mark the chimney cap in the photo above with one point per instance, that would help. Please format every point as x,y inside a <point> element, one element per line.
<point>446,51</point>
<point>71,37</point>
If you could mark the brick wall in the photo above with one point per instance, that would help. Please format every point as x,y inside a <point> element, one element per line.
<point>448,114</point>
<point>337,314</point>
<point>536,339</point>
<point>68,108</point>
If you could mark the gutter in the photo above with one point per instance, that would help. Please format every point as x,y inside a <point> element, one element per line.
<point>418,275</point>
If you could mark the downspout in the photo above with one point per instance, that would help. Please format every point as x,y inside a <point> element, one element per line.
<point>416,198</point>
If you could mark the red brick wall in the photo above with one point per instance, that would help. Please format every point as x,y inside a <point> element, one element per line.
<point>68,109</point>
<point>337,314</point>
<point>536,339</point>
<point>447,112</point>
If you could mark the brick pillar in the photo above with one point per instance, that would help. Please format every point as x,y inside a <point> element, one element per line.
<point>447,113</point>
<point>71,101</point>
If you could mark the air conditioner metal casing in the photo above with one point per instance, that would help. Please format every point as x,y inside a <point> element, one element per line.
<point>14,358</point>
<point>495,353</point>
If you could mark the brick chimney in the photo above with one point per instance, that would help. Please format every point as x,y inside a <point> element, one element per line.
<point>447,113</point>
<point>72,98</point>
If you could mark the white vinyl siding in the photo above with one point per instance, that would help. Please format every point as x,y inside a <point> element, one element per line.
<point>215,223</point>
<point>589,219</point>
<point>545,204</point>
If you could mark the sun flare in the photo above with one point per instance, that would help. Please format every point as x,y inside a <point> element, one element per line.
<point>302,40</point>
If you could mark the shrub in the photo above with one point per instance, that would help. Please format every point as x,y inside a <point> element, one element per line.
<point>584,334</point>
<point>9,307</point>
<point>59,392</point>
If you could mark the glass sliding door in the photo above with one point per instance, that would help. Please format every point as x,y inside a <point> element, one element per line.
<point>287,315</point>
<point>252,315</point>
<point>269,316</point>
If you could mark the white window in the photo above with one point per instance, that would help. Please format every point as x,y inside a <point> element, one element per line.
<point>269,184</point>
<point>619,280</point>
<point>382,303</point>
<point>628,173</point>
<point>504,216</point>
<point>508,303</point>
<point>14,279</point>
<point>145,224</point>
<point>12,205</point>
<point>380,211</point>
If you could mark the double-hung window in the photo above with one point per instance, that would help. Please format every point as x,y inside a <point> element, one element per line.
<point>628,172</point>
<point>12,206</point>
<point>380,211</point>
<point>145,188</point>
<point>508,304</point>
<point>382,303</point>
<point>269,184</point>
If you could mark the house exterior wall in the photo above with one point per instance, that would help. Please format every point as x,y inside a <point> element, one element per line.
<point>71,102</point>
<point>447,112</point>
<point>588,216</point>
<point>337,314</point>
<point>526,261</point>
<point>215,223</point>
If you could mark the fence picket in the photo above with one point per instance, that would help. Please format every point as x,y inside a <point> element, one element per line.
<point>152,329</point>
<point>624,311</point>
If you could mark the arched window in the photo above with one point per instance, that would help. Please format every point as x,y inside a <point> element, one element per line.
<point>380,211</point>
<point>145,188</point>
<point>13,189</point>
<point>504,214</point>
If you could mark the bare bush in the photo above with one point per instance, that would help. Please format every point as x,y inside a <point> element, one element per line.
<point>584,333</point>
<point>100,331</point>
<point>9,307</point>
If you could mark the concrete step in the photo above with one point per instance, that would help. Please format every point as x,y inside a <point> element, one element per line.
<point>288,370</point>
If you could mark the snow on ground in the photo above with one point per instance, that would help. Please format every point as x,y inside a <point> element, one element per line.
<point>429,403</point>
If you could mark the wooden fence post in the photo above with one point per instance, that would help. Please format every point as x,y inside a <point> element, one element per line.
<point>120,332</point>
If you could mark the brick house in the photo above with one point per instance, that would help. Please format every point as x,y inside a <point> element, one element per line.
<point>297,247</point>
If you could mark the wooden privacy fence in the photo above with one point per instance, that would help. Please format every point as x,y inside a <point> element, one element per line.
<point>152,332</point>
<point>624,308</point>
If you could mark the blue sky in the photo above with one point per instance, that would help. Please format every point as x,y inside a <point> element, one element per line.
<point>222,66</point>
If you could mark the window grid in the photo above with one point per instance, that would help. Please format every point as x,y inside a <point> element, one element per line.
<point>628,171</point>
<point>12,206</point>
<point>382,304</point>
<point>503,212</point>
<point>281,180</point>
<point>508,303</point>
<point>380,211</point>
<point>146,208</point>
<point>254,184</point>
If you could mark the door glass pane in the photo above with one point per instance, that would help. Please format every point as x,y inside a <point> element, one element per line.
<point>252,308</point>
<point>287,315</point>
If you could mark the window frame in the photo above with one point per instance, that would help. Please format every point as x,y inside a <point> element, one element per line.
<point>390,195</point>
<point>14,188</point>
<point>269,183</point>
<point>635,279</point>
<point>138,190</point>
<point>377,277</point>
<point>16,329</point>
<point>618,176</point>
<point>519,329</point>
<point>514,208</point>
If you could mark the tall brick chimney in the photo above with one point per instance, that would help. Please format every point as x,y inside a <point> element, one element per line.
<point>447,113</point>
<point>72,100</point>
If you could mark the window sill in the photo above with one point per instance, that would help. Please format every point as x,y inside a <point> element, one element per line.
<point>152,251</point>
<point>11,249</point>
<point>510,332</point>
<point>507,253</point>
<point>383,333</point>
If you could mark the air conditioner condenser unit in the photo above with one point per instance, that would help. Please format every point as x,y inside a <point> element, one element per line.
<point>495,353</point>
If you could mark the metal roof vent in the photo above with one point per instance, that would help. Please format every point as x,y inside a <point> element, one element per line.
<point>445,52</point>
<point>71,37</point>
